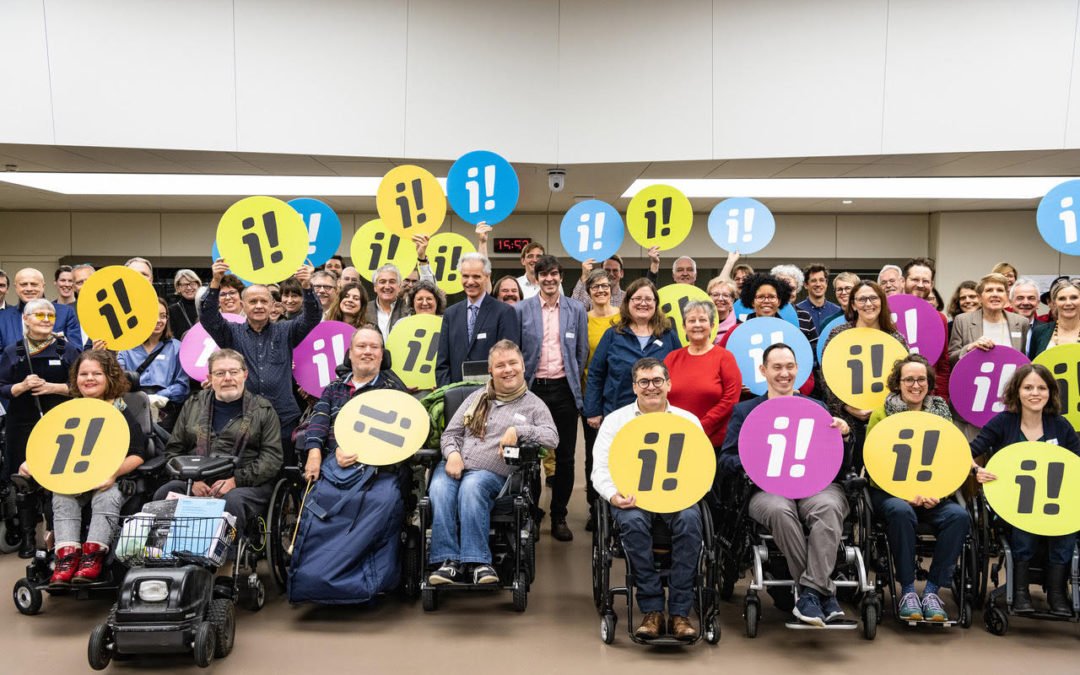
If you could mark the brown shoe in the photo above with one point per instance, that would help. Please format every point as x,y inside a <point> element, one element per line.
<point>650,626</point>
<point>681,629</point>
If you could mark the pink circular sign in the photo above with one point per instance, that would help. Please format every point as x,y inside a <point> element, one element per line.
<point>788,448</point>
<point>197,346</point>
<point>920,324</point>
<point>317,355</point>
<point>978,379</point>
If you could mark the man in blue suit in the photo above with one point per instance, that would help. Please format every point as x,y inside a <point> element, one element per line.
<point>471,327</point>
<point>30,285</point>
<point>555,346</point>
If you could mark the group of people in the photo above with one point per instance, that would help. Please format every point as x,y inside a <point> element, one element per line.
<point>599,356</point>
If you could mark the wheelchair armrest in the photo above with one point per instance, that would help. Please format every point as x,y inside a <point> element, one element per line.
<point>853,483</point>
<point>152,465</point>
<point>428,456</point>
<point>523,454</point>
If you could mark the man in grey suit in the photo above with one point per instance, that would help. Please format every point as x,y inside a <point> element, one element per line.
<point>555,346</point>
<point>386,309</point>
<point>990,325</point>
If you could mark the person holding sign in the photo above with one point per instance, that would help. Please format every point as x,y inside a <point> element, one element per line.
<point>603,315</point>
<point>652,383</point>
<point>991,325</point>
<point>919,281</point>
<point>365,356</point>
<point>910,384</point>
<point>30,285</point>
<point>33,380</point>
<point>387,309</point>
<point>157,363</point>
<point>96,374</point>
<point>811,560</point>
<point>1032,413</point>
<point>705,379</point>
<point>229,420</point>
<point>266,346</point>
<point>1065,329</point>
<point>464,485</point>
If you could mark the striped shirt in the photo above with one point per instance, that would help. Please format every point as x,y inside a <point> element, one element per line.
<point>528,415</point>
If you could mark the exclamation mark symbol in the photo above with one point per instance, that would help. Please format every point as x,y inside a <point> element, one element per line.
<point>455,256</point>
<point>489,187</point>
<point>418,198</point>
<point>802,444</point>
<point>93,430</point>
<point>1055,475</point>
<point>929,447</point>
<point>270,225</point>
<point>674,454</point>
<point>666,207</point>
<point>313,232</point>
<point>125,303</point>
<point>877,362</point>
<point>748,224</point>
<point>599,232</point>
<point>911,323</point>
<point>432,352</point>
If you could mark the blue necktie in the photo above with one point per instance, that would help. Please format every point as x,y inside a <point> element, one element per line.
<point>473,311</point>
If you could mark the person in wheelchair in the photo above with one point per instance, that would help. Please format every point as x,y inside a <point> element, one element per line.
<point>1032,413</point>
<point>226,419</point>
<point>366,359</point>
<point>910,383</point>
<point>465,484</point>
<point>651,383</point>
<point>811,560</point>
<point>95,374</point>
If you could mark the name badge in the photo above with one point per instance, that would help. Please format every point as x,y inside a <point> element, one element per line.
<point>1016,334</point>
<point>658,343</point>
<point>55,362</point>
<point>569,336</point>
<point>1052,441</point>
<point>481,336</point>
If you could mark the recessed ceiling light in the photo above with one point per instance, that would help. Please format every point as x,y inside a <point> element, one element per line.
<point>197,184</point>
<point>971,187</point>
<point>847,201</point>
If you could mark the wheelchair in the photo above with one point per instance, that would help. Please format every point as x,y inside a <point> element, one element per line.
<point>745,544</point>
<point>965,582</point>
<point>137,488</point>
<point>515,522</point>
<point>607,546</point>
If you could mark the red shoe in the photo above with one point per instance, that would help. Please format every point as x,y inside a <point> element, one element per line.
<point>67,561</point>
<point>93,555</point>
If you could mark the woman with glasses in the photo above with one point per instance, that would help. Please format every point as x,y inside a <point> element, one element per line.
<point>723,294</point>
<point>229,298</point>
<point>34,380</point>
<point>1065,330</point>
<point>157,363</point>
<point>910,384</point>
<point>183,313</point>
<point>642,330</point>
<point>842,285</point>
<point>426,298</point>
<point>602,316</point>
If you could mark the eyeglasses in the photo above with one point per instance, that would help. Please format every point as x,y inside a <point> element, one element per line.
<point>322,287</point>
<point>722,296</point>
<point>187,284</point>
<point>643,301</point>
<point>913,381</point>
<point>44,316</point>
<point>600,287</point>
<point>229,294</point>
<point>657,382</point>
<point>766,298</point>
<point>867,300</point>
<point>235,372</point>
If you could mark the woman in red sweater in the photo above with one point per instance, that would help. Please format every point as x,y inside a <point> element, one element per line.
<point>705,379</point>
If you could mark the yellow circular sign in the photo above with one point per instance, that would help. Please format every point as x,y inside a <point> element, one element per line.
<point>664,460</point>
<point>382,427</point>
<point>118,305</point>
<point>659,215</point>
<point>856,364</point>
<point>413,344</point>
<point>410,201</point>
<point>1037,487</point>
<point>77,445</point>
<point>374,246</point>
<point>263,239</point>
<point>674,297</point>
<point>444,251</point>
<point>1061,362</point>
<point>917,454</point>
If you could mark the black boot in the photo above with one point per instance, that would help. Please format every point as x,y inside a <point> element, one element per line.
<point>1057,595</point>
<point>1021,595</point>
<point>27,511</point>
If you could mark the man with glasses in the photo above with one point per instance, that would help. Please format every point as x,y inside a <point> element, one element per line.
<point>815,304</point>
<point>30,285</point>
<point>614,267</point>
<point>267,346</point>
<point>182,313</point>
<point>324,283</point>
<point>651,387</point>
<point>891,280</point>
<point>918,280</point>
<point>227,419</point>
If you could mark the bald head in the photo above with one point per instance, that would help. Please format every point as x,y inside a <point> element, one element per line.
<point>29,284</point>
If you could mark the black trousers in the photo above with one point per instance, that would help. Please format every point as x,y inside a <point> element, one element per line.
<point>559,399</point>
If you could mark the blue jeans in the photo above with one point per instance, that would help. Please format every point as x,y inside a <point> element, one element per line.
<point>635,531</point>
<point>464,504</point>
<point>1024,545</point>
<point>950,522</point>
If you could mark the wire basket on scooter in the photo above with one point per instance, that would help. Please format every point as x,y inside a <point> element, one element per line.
<point>147,540</point>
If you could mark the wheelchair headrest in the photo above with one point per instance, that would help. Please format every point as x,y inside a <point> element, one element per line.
<point>133,380</point>
<point>139,405</point>
<point>453,399</point>
<point>346,366</point>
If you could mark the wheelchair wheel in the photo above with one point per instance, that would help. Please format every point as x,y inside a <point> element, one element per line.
<point>870,616</point>
<point>750,615</point>
<point>281,522</point>
<point>997,622</point>
<point>410,568</point>
<point>712,630</point>
<point>10,539</point>
<point>607,628</point>
<point>27,597</point>
<point>253,594</point>
<point>521,595</point>
<point>97,651</point>
<point>429,597</point>
<point>967,608</point>
<point>205,644</point>
<point>222,613</point>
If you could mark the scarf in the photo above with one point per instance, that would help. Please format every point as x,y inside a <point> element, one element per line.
<point>204,425</point>
<point>724,326</point>
<point>35,347</point>
<point>477,414</point>
<point>935,405</point>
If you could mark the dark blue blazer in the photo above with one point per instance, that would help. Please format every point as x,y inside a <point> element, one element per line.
<point>573,339</point>
<point>495,321</point>
<point>66,322</point>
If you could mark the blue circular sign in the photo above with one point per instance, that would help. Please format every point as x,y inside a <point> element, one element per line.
<point>823,336</point>
<point>741,224</point>
<point>787,312</point>
<point>1058,217</point>
<point>749,340</point>
<point>482,187</point>
<point>324,229</point>
<point>215,254</point>
<point>591,229</point>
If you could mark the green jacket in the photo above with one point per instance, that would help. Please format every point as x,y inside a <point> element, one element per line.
<point>260,456</point>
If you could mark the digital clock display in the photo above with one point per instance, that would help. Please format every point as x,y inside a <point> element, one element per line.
<point>511,244</point>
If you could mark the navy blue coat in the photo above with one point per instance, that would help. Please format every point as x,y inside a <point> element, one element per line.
<point>11,325</point>
<point>495,321</point>
<point>608,385</point>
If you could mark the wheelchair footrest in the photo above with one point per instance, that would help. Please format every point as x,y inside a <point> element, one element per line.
<point>842,624</point>
<point>665,641</point>
<point>921,622</point>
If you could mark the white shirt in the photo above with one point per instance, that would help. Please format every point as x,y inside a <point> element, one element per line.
<point>997,332</point>
<point>601,473</point>
<point>527,289</point>
<point>383,318</point>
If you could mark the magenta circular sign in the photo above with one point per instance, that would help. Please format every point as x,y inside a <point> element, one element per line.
<point>920,324</point>
<point>978,379</point>
<point>317,355</point>
<point>197,346</point>
<point>788,448</point>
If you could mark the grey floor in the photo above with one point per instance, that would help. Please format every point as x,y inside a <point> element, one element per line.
<point>559,633</point>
